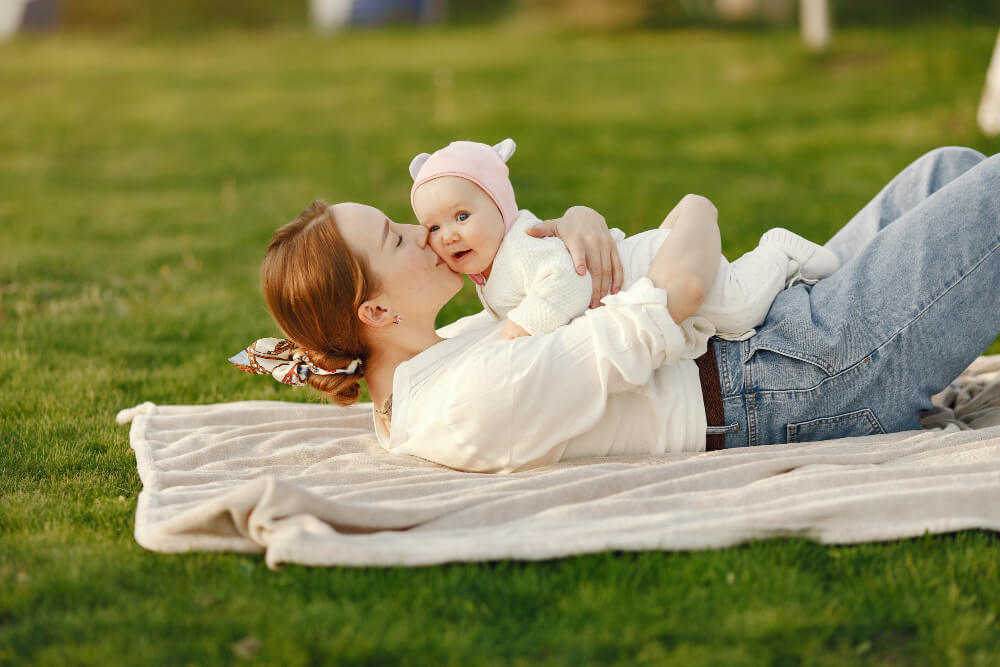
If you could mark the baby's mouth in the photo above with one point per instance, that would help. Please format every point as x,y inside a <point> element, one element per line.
<point>457,256</point>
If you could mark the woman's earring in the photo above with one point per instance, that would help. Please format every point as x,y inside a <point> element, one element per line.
<point>396,320</point>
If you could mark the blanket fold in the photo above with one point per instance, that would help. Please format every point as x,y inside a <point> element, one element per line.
<point>308,483</point>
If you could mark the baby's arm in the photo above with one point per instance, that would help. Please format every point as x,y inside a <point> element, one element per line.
<point>553,292</point>
<point>687,262</point>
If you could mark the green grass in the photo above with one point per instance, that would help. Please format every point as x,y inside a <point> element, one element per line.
<point>140,182</point>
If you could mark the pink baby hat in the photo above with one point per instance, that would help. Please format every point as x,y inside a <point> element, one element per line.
<point>484,165</point>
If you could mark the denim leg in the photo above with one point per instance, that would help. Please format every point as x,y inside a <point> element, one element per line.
<point>862,351</point>
<point>922,178</point>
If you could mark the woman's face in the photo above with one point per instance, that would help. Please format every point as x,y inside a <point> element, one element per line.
<point>416,281</point>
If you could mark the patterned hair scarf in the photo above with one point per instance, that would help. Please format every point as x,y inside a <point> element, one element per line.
<point>284,361</point>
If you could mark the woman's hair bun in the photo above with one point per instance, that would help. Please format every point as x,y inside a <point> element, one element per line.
<point>344,388</point>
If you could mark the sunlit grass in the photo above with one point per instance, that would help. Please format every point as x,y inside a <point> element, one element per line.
<point>140,181</point>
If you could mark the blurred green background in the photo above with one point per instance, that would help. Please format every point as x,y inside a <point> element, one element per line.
<point>148,151</point>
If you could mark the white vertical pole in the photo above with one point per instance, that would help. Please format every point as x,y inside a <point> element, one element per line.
<point>989,107</point>
<point>11,13</point>
<point>814,20</point>
<point>329,15</point>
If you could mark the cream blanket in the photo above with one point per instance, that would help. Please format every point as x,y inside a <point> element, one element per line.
<point>309,484</point>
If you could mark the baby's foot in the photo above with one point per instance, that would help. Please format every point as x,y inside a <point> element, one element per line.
<point>810,261</point>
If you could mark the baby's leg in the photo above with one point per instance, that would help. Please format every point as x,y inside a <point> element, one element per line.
<point>744,290</point>
<point>741,292</point>
<point>810,261</point>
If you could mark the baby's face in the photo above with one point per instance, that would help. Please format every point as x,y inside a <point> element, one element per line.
<point>464,226</point>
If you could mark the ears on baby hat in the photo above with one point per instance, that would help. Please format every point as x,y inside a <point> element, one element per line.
<point>416,163</point>
<point>504,149</point>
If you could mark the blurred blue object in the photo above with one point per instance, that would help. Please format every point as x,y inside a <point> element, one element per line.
<point>40,14</point>
<point>18,15</point>
<point>379,12</point>
<point>336,14</point>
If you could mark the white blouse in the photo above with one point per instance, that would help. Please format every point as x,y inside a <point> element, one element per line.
<point>618,380</point>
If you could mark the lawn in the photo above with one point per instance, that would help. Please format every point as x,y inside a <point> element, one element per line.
<point>140,179</point>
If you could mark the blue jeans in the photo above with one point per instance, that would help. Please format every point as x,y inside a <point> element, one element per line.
<point>916,300</point>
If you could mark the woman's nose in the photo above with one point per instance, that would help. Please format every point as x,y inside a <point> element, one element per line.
<point>423,236</point>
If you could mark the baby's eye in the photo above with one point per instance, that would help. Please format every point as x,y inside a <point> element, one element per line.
<point>462,217</point>
<point>433,228</point>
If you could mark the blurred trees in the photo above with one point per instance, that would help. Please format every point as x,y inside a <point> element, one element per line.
<point>194,15</point>
<point>182,15</point>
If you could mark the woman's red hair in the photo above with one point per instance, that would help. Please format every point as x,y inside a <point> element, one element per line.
<point>314,283</point>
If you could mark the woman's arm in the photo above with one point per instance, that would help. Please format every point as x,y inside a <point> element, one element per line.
<point>590,245</point>
<point>686,264</point>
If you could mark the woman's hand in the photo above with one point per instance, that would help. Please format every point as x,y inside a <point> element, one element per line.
<point>590,245</point>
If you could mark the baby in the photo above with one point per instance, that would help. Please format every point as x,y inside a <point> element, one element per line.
<point>463,197</point>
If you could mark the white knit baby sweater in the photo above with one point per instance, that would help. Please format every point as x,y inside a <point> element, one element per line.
<point>533,281</point>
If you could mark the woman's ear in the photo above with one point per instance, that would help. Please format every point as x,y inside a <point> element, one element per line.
<point>372,314</point>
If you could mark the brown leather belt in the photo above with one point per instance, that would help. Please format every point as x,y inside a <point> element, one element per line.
<point>711,393</point>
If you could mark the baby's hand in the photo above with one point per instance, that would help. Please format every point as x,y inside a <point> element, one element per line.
<point>512,330</point>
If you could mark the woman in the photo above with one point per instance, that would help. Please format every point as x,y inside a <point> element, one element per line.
<point>858,353</point>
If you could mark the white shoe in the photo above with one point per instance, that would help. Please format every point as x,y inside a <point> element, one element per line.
<point>810,262</point>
